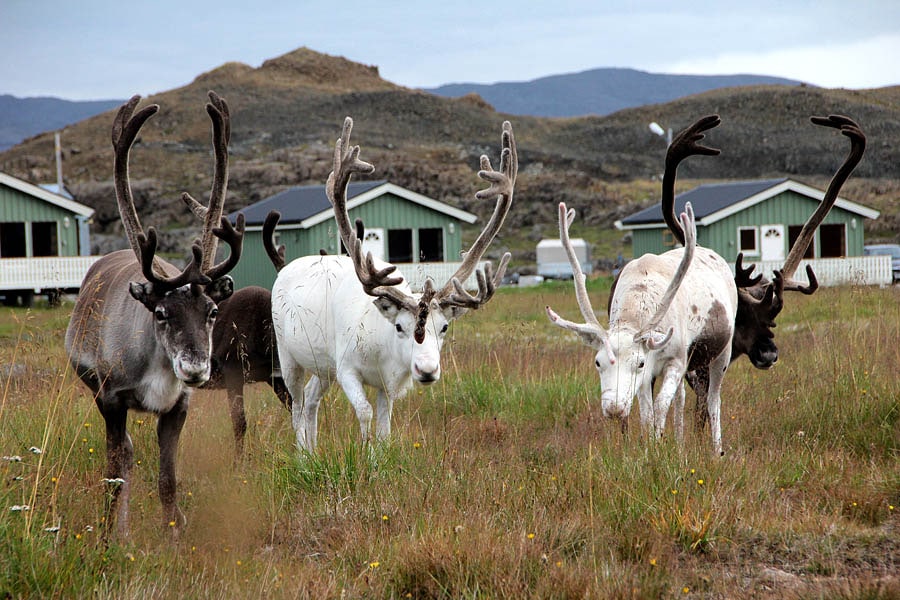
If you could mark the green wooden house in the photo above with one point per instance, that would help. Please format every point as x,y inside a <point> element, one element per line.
<point>44,241</point>
<point>37,222</point>
<point>401,226</point>
<point>760,218</point>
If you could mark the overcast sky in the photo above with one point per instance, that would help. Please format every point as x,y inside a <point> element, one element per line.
<point>99,49</point>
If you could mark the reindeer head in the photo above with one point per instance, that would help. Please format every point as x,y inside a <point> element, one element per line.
<point>183,304</point>
<point>625,357</point>
<point>760,300</point>
<point>421,320</point>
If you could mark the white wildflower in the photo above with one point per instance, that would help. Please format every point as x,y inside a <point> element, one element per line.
<point>15,458</point>
<point>19,507</point>
<point>35,450</point>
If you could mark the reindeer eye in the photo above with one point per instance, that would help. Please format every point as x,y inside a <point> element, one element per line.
<point>641,365</point>
<point>160,314</point>
<point>597,363</point>
<point>214,312</point>
<point>399,328</point>
<point>445,327</point>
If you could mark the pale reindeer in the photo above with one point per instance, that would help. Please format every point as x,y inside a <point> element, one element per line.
<point>353,320</point>
<point>759,299</point>
<point>667,315</point>
<point>140,332</point>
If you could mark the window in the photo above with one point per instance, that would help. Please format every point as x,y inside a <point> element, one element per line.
<point>431,245</point>
<point>12,240</point>
<point>748,240</point>
<point>668,239</point>
<point>833,241</point>
<point>44,240</point>
<point>794,233</point>
<point>400,246</point>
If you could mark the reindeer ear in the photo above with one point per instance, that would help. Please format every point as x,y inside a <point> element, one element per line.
<point>220,289</point>
<point>387,308</point>
<point>143,293</point>
<point>454,312</point>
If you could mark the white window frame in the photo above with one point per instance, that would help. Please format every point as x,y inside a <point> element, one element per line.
<point>755,251</point>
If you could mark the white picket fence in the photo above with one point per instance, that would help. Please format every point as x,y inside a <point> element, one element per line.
<point>62,272</point>
<point>47,273</point>
<point>852,270</point>
<point>440,273</point>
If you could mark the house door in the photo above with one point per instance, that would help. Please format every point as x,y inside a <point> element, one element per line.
<point>373,241</point>
<point>772,242</point>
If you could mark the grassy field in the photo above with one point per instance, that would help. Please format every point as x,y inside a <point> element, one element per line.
<point>501,481</point>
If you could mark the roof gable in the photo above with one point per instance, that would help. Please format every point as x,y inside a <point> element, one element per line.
<point>306,206</point>
<point>47,196</point>
<point>714,202</point>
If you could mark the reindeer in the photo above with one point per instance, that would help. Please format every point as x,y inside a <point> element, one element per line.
<point>667,313</point>
<point>353,320</point>
<point>143,345</point>
<point>243,340</point>
<point>759,299</point>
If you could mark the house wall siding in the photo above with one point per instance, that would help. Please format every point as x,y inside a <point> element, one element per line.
<point>17,207</point>
<point>387,211</point>
<point>788,208</point>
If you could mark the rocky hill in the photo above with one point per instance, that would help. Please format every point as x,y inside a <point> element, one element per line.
<point>287,113</point>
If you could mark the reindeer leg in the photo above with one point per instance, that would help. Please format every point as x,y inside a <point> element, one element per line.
<point>699,382</point>
<point>353,388</point>
<point>306,415</point>
<point>667,392</point>
<point>168,431</point>
<point>678,418</point>
<point>119,460</point>
<point>235,386</point>
<point>384,406</point>
<point>281,391</point>
<point>716,375</point>
<point>645,405</point>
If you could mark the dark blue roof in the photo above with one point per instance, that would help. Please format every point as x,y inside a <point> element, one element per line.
<point>298,203</point>
<point>706,199</point>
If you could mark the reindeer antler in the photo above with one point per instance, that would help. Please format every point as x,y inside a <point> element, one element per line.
<point>849,128</point>
<point>211,215</point>
<point>685,144</point>
<point>126,126</point>
<point>376,282</point>
<point>276,255</point>
<point>502,183</point>
<point>690,229</point>
<point>591,328</point>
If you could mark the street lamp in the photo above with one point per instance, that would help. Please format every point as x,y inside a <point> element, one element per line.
<point>658,130</point>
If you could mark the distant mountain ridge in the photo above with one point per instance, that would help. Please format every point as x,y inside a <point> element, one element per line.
<point>21,118</point>
<point>597,91</point>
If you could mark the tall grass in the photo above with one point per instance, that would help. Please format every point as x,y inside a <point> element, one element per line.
<point>500,481</point>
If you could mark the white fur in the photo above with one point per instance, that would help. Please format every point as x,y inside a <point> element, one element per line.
<point>637,295</point>
<point>327,325</point>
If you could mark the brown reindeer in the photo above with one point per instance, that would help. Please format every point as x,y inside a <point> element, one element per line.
<point>243,340</point>
<point>759,299</point>
<point>140,332</point>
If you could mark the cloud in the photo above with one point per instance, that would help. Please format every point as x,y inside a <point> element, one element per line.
<point>858,64</point>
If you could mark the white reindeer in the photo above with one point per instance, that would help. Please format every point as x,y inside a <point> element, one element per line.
<point>326,321</point>
<point>667,312</point>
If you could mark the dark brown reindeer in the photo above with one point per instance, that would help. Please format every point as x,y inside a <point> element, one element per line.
<point>760,300</point>
<point>140,332</point>
<point>243,339</point>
